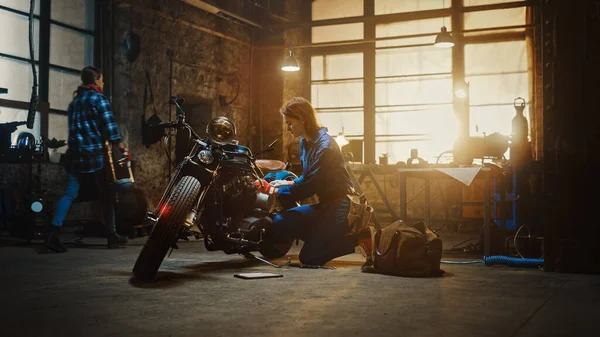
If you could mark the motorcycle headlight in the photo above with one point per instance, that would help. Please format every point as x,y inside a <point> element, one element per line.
<point>221,130</point>
<point>205,156</point>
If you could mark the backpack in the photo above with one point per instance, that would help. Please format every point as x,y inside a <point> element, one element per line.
<point>405,250</point>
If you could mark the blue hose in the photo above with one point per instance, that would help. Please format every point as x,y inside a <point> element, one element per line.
<point>506,260</point>
<point>512,261</point>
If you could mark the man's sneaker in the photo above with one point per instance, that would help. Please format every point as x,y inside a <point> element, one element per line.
<point>54,243</point>
<point>115,240</point>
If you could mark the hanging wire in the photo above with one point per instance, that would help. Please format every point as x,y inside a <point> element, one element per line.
<point>443,17</point>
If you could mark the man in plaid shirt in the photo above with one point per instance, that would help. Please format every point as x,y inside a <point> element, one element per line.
<point>91,123</point>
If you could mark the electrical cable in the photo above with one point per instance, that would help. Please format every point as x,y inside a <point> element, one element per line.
<point>237,92</point>
<point>515,239</point>
<point>35,99</point>
<point>168,152</point>
<point>462,262</point>
<point>459,244</point>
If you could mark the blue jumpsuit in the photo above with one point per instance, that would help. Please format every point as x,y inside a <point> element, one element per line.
<point>324,226</point>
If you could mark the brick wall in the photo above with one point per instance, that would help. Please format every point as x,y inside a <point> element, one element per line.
<point>205,67</point>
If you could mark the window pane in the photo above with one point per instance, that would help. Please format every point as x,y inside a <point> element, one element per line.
<point>495,58</point>
<point>58,128</point>
<point>330,67</point>
<point>21,5</point>
<point>412,61</point>
<point>405,28</point>
<point>403,6</point>
<point>495,18</point>
<point>486,2</point>
<point>15,35</point>
<point>350,121</point>
<point>336,95</point>
<point>490,119</point>
<point>17,77</point>
<point>412,128</point>
<point>498,89</point>
<point>350,31</point>
<point>331,9</point>
<point>414,90</point>
<point>14,115</point>
<point>78,13</point>
<point>69,48</point>
<point>62,86</point>
<point>416,120</point>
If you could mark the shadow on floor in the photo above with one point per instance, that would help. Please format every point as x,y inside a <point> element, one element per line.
<point>169,279</point>
<point>223,265</point>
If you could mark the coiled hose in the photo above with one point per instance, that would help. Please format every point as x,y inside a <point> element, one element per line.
<point>504,260</point>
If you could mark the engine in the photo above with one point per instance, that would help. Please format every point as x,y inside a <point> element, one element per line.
<point>237,215</point>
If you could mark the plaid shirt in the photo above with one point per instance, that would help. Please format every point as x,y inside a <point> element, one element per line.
<point>90,121</point>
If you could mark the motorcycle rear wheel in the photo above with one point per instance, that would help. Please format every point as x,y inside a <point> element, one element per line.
<point>166,231</point>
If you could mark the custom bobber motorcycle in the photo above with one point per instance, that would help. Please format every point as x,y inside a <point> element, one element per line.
<point>211,194</point>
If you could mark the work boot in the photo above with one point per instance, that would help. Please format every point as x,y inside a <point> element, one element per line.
<point>53,241</point>
<point>365,246</point>
<point>115,240</point>
<point>364,241</point>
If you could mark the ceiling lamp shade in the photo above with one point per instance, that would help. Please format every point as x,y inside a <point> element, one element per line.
<point>444,39</point>
<point>290,63</point>
<point>341,139</point>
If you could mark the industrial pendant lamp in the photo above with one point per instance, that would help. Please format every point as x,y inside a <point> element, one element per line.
<point>444,39</point>
<point>290,63</point>
<point>341,139</point>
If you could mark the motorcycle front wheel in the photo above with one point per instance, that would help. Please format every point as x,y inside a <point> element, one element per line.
<point>165,233</point>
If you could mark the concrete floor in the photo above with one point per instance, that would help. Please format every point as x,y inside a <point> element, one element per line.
<point>89,292</point>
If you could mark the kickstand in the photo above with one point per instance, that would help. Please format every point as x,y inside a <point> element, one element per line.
<point>251,256</point>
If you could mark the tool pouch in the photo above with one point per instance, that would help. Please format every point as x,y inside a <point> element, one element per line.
<point>360,212</point>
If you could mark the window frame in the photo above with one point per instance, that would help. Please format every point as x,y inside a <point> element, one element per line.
<point>43,61</point>
<point>457,12</point>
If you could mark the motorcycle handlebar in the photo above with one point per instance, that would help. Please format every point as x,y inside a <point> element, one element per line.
<point>178,125</point>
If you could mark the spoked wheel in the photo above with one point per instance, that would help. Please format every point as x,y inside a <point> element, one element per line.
<point>166,231</point>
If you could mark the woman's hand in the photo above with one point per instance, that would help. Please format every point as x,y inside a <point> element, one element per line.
<point>279,183</point>
<point>263,186</point>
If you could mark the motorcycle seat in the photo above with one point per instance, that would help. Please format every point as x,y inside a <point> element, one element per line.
<point>270,165</point>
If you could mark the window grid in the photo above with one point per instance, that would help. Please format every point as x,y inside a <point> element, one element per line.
<point>444,107</point>
<point>64,94</point>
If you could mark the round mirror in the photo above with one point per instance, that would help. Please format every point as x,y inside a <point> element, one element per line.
<point>221,130</point>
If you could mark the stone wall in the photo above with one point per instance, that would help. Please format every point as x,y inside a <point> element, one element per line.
<point>205,68</point>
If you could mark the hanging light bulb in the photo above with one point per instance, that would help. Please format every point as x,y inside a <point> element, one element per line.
<point>290,64</point>
<point>444,39</point>
<point>341,139</point>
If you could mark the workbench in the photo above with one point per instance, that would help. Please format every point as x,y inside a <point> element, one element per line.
<point>430,174</point>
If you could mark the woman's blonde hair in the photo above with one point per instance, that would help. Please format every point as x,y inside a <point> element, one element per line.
<point>300,108</point>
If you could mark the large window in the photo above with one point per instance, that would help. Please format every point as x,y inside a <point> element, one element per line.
<point>337,92</point>
<point>70,40</point>
<point>497,73</point>
<point>413,88</point>
<point>15,69</point>
<point>414,105</point>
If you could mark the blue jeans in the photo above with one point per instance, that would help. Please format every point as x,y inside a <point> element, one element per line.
<point>322,227</point>
<point>90,181</point>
